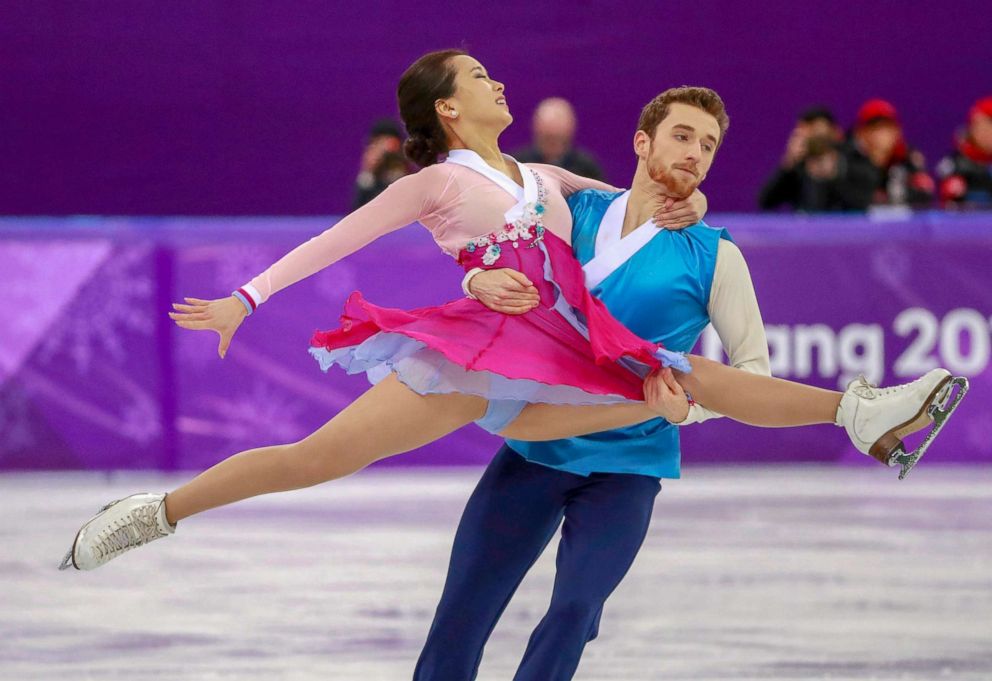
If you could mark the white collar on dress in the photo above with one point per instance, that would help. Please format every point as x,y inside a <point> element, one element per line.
<point>522,195</point>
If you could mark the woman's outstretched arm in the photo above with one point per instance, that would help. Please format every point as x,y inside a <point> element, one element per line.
<point>670,213</point>
<point>570,182</point>
<point>403,202</point>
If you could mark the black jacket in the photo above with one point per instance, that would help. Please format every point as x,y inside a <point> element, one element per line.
<point>903,182</point>
<point>966,177</point>
<point>850,190</point>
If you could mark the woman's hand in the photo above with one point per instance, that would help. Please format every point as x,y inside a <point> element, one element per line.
<point>674,214</point>
<point>223,315</point>
<point>504,290</point>
<point>665,396</point>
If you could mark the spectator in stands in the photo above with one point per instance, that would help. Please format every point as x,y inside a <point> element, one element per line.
<point>877,150</point>
<point>382,161</point>
<point>553,132</point>
<point>813,175</point>
<point>821,182</point>
<point>966,175</point>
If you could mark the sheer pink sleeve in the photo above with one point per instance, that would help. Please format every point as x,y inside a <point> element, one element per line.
<point>570,182</point>
<point>403,202</point>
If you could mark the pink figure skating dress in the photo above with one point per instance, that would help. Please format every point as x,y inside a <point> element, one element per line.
<point>568,350</point>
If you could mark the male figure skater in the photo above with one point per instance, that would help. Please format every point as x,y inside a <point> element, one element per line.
<point>665,286</point>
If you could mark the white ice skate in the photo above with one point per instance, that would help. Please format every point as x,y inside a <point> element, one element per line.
<point>119,527</point>
<point>877,419</point>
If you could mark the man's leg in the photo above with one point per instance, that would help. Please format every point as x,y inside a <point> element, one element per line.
<point>606,521</point>
<point>509,519</point>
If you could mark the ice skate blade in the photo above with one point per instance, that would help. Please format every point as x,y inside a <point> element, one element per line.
<point>940,409</point>
<point>67,561</point>
<point>890,445</point>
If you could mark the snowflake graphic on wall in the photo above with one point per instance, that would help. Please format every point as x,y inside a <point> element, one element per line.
<point>237,265</point>
<point>979,434</point>
<point>140,420</point>
<point>196,350</point>
<point>32,289</point>
<point>241,419</point>
<point>15,425</point>
<point>110,307</point>
<point>892,265</point>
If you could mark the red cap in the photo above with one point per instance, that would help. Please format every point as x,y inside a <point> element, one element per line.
<point>875,109</point>
<point>983,107</point>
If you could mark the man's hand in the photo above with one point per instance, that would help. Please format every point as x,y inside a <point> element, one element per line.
<point>665,396</point>
<point>680,214</point>
<point>504,290</point>
<point>795,148</point>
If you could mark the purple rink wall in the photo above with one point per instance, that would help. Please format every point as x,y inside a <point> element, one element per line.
<point>93,374</point>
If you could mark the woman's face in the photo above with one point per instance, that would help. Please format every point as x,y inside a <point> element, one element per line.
<point>478,99</point>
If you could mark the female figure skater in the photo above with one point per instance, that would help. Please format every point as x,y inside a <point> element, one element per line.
<point>437,369</point>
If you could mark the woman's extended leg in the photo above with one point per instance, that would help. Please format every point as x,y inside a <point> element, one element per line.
<point>755,399</point>
<point>387,419</point>
<point>749,398</point>
<point>876,420</point>
<point>390,419</point>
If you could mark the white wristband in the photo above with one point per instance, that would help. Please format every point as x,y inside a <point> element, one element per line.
<point>467,278</point>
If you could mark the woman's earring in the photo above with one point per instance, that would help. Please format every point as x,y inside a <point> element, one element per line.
<point>454,114</point>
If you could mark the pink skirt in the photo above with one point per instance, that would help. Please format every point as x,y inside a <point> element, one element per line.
<point>568,350</point>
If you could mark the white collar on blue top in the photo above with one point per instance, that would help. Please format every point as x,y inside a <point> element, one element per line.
<point>612,250</point>
<point>522,195</point>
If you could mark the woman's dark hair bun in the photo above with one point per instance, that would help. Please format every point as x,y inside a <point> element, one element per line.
<point>422,150</point>
<point>428,79</point>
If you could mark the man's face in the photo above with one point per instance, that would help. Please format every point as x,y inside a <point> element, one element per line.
<point>386,143</point>
<point>552,143</point>
<point>879,140</point>
<point>377,147</point>
<point>682,150</point>
<point>820,127</point>
<point>554,129</point>
<point>981,132</point>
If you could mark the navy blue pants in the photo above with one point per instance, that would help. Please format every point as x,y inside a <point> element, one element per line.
<point>511,516</point>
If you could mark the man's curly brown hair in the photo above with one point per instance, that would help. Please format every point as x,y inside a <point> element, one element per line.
<point>700,97</point>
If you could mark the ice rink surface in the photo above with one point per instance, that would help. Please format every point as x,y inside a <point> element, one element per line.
<point>747,573</point>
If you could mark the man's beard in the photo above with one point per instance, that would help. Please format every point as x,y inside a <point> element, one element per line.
<point>679,185</point>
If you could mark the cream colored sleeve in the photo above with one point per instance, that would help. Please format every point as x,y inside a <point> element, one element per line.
<point>735,316</point>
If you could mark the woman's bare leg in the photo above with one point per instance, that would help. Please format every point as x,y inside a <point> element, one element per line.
<point>538,422</point>
<point>755,399</point>
<point>388,419</point>
<point>749,398</point>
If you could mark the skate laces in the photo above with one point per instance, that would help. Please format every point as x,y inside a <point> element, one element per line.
<point>137,528</point>
<point>869,391</point>
<point>862,388</point>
